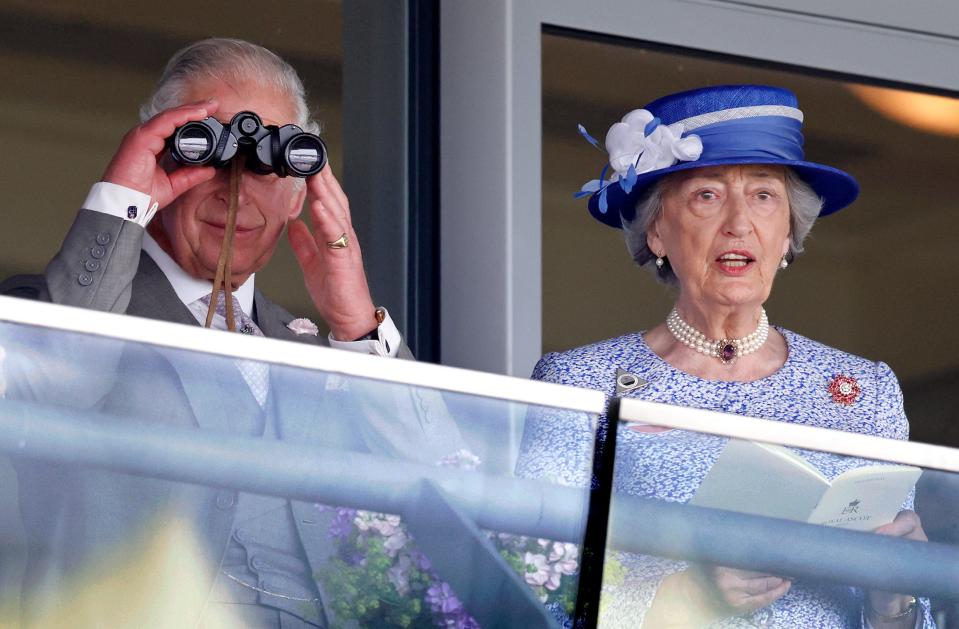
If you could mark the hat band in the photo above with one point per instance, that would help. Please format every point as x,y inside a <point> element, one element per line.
<point>764,138</point>
<point>738,113</point>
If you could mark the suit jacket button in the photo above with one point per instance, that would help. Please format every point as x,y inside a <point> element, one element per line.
<point>225,500</point>
<point>98,252</point>
<point>85,279</point>
<point>92,265</point>
<point>103,238</point>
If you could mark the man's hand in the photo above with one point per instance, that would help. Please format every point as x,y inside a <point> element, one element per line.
<point>135,164</point>
<point>335,278</point>
<point>745,591</point>
<point>907,525</point>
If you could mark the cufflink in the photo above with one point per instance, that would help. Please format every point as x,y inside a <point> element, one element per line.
<point>373,335</point>
<point>132,212</point>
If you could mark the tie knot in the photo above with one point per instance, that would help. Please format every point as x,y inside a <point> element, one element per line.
<point>244,324</point>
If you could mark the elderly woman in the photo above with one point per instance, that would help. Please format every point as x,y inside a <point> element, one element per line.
<point>713,194</point>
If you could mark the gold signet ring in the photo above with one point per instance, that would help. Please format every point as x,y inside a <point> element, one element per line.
<point>340,243</point>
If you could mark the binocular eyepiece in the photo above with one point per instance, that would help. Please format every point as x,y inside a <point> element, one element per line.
<point>286,150</point>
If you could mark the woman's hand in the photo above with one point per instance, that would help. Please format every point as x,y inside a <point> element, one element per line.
<point>702,595</point>
<point>907,525</point>
<point>744,591</point>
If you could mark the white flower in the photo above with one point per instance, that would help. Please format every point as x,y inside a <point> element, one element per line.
<point>537,570</point>
<point>563,558</point>
<point>395,543</point>
<point>303,326</point>
<point>628,145</point>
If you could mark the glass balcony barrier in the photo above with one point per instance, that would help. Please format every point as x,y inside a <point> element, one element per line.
<point>723,520</point>
<point>175,476</point>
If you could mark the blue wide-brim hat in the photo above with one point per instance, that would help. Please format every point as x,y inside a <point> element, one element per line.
<point>712,126</point>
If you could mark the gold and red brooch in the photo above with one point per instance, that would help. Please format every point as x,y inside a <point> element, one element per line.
<point>844,390</point>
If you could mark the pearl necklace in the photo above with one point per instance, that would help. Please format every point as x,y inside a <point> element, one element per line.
<point>726,350</point>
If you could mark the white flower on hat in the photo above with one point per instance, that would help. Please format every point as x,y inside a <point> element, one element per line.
<point>641,141</point>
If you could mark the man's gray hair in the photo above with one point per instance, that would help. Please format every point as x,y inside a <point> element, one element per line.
<point>230,61</point>
<point>804,208</point>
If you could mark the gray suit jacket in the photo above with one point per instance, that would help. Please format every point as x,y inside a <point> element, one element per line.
<point>75,516</point>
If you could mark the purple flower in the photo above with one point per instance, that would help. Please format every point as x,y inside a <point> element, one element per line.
<point>358,559</point>
<point>342,524</point>
<point>460,620</point>
<point>442,599</point>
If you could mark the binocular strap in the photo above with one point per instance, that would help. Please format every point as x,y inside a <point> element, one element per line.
<point>224,272</point>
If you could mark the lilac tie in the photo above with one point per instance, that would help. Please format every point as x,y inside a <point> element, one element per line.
<point>256,374</point>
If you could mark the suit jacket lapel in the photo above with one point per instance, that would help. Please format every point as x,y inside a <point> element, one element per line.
<point>214,387</point>
<point>153,296</point>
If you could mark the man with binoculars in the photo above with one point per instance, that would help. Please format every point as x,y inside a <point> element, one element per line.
<point>216,80</point>
<point>225,149</point>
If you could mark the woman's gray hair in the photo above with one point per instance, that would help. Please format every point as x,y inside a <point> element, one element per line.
<point>804,208</point>
<point>230,61</point>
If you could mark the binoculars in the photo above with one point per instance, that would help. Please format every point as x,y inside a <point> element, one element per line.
<point>286,150</point>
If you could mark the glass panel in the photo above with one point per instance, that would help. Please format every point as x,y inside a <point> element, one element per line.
<point>846,289</point>
<point>792,528</point>
<point>146,474</point>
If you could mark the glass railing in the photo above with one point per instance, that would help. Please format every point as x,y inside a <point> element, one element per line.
<point>206,479</point>
<point>722,518</point>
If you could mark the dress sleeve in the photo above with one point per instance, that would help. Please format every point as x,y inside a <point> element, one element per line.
<point>890,419</point>
<point>557,444</point>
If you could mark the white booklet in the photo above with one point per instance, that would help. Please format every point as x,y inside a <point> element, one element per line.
<point>773,481</point>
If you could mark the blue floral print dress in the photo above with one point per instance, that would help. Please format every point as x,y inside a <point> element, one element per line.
<point>817,386</point>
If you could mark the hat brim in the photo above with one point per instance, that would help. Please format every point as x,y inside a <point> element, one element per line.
<point>838,189</point>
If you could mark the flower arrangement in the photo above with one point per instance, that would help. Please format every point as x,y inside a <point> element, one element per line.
<point>379,578</point>
<point>550,568</point>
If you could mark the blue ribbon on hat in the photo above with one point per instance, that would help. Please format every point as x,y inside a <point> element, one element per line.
<point>762,137</point>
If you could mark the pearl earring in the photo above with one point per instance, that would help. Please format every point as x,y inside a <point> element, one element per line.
<point>659,262</point>
<point>783,263</point>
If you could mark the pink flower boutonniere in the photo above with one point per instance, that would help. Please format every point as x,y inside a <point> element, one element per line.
<point>303,326</point>
<point>844,390</point>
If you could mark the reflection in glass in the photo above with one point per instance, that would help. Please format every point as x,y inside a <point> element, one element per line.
<point>149,474</point>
